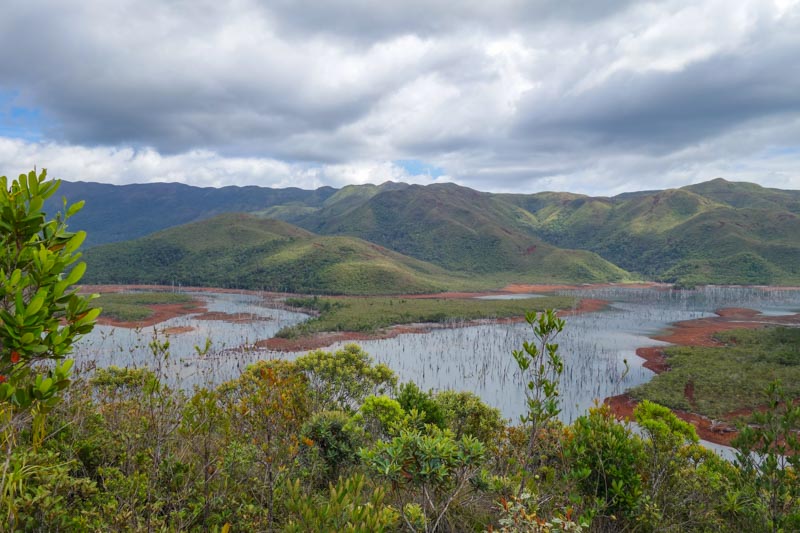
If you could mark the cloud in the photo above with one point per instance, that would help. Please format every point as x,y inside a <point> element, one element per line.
<point>197,167</point>
<point>509,95</point>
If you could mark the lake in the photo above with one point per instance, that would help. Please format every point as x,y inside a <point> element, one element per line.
<point>477,358</point>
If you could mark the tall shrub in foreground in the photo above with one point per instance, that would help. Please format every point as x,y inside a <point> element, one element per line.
<point>41,316</point>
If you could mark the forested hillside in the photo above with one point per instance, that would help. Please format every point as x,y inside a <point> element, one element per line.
<point>713,232</point>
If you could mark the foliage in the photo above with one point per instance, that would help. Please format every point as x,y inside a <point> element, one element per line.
<point>268,405</point>
<point>466,414</point>
<point>379,415</point>
<point>349,507</point>
<point>727,378</point>
<point>341,380</point>
<point>331,441</point>
<point>541,366</point>
<point>411,398</point>
<point>41,316</point>
<point>516,518</point>
<point>435,469</point>
<point>372,313</point>
<point>606,459</point>
<point>768,453</point>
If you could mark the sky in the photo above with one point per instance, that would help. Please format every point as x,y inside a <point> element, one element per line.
<point>597,97</point>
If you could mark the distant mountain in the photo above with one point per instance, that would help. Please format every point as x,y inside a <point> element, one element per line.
<point>121,212</point>
<point>713,232</point>
<point>459,229</point>
<point>245,251</point>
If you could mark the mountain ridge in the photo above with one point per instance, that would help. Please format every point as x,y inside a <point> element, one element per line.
<point>681,235</point>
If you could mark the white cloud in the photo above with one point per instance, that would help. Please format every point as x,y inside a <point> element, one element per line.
<point>511,95</point>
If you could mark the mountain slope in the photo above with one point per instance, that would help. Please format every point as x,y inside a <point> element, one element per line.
<point>462,230</point>
<point>120,212</point>
<point>714,232</point>
<point>245,251</point>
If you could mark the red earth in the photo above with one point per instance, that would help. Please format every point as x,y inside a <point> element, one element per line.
<point>700,332</point>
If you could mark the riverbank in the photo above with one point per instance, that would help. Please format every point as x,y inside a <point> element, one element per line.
<point>700,333</point>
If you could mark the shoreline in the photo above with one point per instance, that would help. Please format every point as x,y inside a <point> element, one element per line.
<point>163,312</point>
<point>325,339</point>
<point>700,332</point>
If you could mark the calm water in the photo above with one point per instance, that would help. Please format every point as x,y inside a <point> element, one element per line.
<point>475,358</point>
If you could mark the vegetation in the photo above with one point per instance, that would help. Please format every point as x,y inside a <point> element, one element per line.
<point>372,313</point>
<point>327,443</point>
<point>664,234</point>
<point>41,316</point>
<point>125,452</point>
<point>459,229</point>
<point>116,213</point>
<point>133,306</point>
<point>544,237</point>
<point>248,252</point>
<point>718,381</point>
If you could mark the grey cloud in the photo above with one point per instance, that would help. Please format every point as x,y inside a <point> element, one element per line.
<point>362,20</point>
<point>328,83</point>
<point>664,111</point>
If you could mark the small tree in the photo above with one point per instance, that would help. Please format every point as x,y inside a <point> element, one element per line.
<point>341,380</point>
<point>41,316</point>
<point>541,366</point>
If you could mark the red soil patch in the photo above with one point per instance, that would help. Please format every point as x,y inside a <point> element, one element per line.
<point>587,305</point>
<point>700,332</point>
<point>166,311</point>
<point>654,359</point>
<point>717,432</point>
<point>161,312</point>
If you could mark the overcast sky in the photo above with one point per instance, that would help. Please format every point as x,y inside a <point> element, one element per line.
<point>594,96</point>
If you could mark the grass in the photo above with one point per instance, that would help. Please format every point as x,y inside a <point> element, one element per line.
<point>133,306</point>
<point>728,378</point>
<point>370,314</point>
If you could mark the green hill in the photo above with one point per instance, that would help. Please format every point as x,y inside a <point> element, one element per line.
<point>714,232</point>
<point>462,230</point>
<point>245,251</point>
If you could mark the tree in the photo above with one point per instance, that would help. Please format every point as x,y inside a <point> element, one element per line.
<point>341,380</point>
<point>268,404</point>
<point>41,315</point>
<point>434,469</point>
<point>542,366</point>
